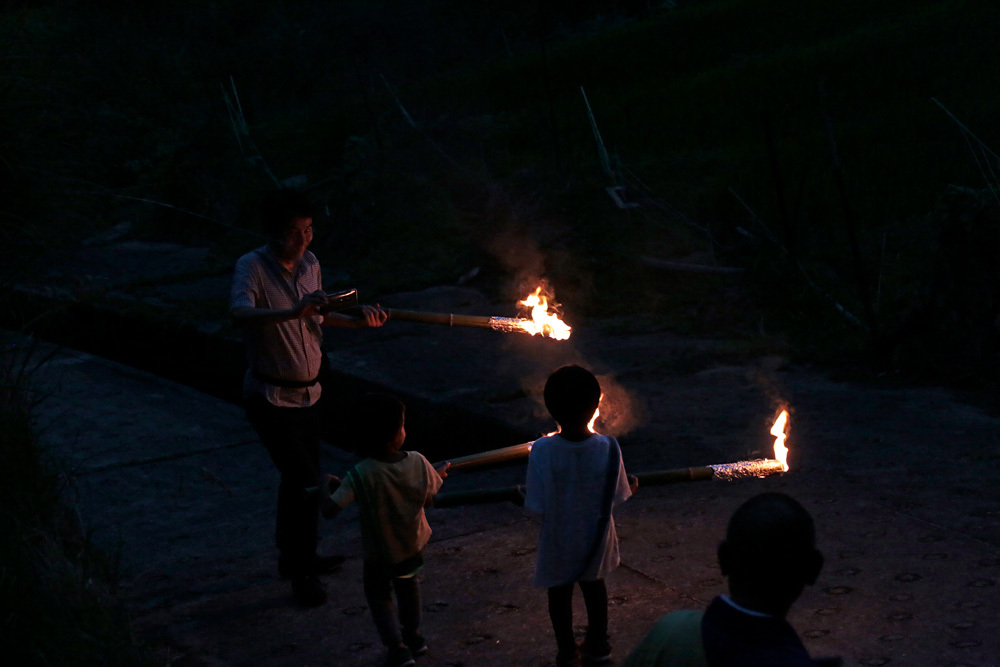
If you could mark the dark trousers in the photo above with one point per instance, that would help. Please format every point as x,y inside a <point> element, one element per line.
<point>379,583</point>
<point>291,436</point>
<point>595,598</point>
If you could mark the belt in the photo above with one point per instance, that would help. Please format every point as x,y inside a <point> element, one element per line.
<point>285,384</point>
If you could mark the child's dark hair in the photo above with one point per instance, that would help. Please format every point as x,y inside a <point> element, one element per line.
<point>770,531</point>
<point>279,207</point>
<point>377,418</point>
<point>572,393</point>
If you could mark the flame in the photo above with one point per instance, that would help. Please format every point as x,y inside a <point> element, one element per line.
<point>542,321</point>
<point>778,431</point>
<point>590,425</point>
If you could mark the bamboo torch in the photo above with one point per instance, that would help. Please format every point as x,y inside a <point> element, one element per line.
<point>493,456</point>
<point>544,319</point>
<point>720,471</point>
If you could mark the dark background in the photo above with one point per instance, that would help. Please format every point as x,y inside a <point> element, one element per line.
<point>839,155</point>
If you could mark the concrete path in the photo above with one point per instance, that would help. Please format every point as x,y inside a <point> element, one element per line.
<point>903,485</point>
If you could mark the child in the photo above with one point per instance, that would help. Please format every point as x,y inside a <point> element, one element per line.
<point>769,556</point>
<point>574,479</point>
<point>392,487</point>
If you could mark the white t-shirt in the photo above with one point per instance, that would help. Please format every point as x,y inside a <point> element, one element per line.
<point>392,498</point>
<point>566,484</point>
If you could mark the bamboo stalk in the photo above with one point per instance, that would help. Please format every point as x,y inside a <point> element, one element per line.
<point>504,324</point>
<point>478,496</point>
<point>721,471</point>
<point>491,457</point>
<point>674,476</point>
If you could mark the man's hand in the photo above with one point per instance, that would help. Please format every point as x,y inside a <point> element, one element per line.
<point>633,483</point>
<point>442,469</point>
<point>372,316</point>
<point>309,304</point>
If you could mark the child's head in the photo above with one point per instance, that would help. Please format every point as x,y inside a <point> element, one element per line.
<point>379,425</point>
<point>769,554</point>
<point>572,395</point>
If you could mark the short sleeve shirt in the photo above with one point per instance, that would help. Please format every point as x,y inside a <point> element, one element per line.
<point>566,484</point>
<point>286,350</point>
<point>392,497</point>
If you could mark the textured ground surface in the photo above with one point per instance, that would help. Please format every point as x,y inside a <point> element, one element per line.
<point>903,484</point>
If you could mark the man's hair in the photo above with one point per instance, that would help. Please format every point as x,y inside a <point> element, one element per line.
<point>572,393</point>
<point>377,420</point>
<point>279,207</point>
<point>769,533</point>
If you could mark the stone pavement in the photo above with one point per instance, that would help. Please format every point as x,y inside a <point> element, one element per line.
<point>902,482</point>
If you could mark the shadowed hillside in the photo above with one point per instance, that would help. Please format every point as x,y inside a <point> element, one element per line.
<point>812,147</point>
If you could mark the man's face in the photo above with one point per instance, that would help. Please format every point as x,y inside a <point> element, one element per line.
<point>296,239</point>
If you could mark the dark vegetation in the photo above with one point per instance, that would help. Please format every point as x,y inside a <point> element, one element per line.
<point>800,142</point>
<point>58,602</point>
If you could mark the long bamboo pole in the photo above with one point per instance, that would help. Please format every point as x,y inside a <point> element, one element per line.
<point>493,456</point>
<point>504,324</point>
<point>721,471</point>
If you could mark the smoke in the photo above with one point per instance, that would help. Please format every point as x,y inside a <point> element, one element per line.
<point>621,413</point>
<point>518,253</point>
<point>520,258</point>
<point>764,374</point>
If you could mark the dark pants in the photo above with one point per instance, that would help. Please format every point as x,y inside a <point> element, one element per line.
<point>595,597</point>
<point>291,436</point>
<point>379,582</point>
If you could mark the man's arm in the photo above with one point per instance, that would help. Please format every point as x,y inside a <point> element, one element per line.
<point>248,316</point>
<point>371,316</point>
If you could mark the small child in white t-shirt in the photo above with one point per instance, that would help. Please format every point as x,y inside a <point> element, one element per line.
<point>392,487</point>
<point>575,477</point>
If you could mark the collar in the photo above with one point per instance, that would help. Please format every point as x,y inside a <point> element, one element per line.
<point>273,257</point>
<point>742,609</point>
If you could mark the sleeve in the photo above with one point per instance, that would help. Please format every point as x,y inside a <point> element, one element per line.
<point>345,493</point>
<point>434,480</point>
<point>622,490</point>
<point>316,274</point>
<point>674,640</point>
<point>245,290</point>
<point>534,497</point>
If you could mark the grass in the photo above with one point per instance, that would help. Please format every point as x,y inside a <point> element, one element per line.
<point>57,597</point>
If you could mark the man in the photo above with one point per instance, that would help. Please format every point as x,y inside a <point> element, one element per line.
<point>769,557</point>
<point>276,298</point>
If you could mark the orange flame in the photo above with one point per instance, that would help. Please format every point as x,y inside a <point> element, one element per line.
<point>590,425</point>
<point>542,321</point>
<point>778,431</point>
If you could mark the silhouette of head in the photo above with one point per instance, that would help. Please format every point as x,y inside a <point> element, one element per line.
<point>572,395</point>
<point>769,553</point>
<point>378,419</point>
<point>280,207</point>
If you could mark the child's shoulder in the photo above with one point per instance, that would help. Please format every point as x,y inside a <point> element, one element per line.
<point>556,443</point>
<point>414,457</point>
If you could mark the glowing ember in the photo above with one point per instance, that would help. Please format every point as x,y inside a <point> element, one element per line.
<point>744,469</point>
<point>778,431</point>
<point>542,320</point>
